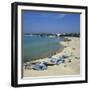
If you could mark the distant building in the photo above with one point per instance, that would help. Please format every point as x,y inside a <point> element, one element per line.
<point>64,33</point>
<point>58,34</point>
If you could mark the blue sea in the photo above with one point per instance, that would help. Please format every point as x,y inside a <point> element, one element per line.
<point>35,47</point>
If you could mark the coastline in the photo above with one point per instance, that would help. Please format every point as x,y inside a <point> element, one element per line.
<point>54,52</point>
<point>72,49</point>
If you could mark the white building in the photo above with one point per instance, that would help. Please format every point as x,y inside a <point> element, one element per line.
<point>58,34</point>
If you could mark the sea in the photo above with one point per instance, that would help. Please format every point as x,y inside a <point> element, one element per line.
<point>36,47</point>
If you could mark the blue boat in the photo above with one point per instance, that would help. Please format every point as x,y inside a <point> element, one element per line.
<point>57,61</point>
<point>39,66</point>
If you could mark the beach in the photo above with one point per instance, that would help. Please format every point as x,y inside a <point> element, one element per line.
<point>71,66</point>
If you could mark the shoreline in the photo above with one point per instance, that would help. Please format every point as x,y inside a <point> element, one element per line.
<point>60,49</point>
<point>72,49</point>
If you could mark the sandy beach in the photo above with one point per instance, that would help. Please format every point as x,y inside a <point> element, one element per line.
<point>71,66</point>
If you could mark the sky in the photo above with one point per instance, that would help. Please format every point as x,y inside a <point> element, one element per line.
<point>50,22</point>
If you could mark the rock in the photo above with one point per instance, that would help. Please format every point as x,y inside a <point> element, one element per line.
<point>77,57</point>
<point>69,60</point>
<point>73,48</point>
<point>65,65</point>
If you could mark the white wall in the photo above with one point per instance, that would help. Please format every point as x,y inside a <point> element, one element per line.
<point>5,45</point>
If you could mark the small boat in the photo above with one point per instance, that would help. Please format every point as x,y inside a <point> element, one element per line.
<point>50,57</point>
<point>57,61</point>
<point>27,65</point>
<point>39,66</point>
<point>64,56</point>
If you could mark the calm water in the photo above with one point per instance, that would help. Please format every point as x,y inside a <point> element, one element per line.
<point>35,47</point>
